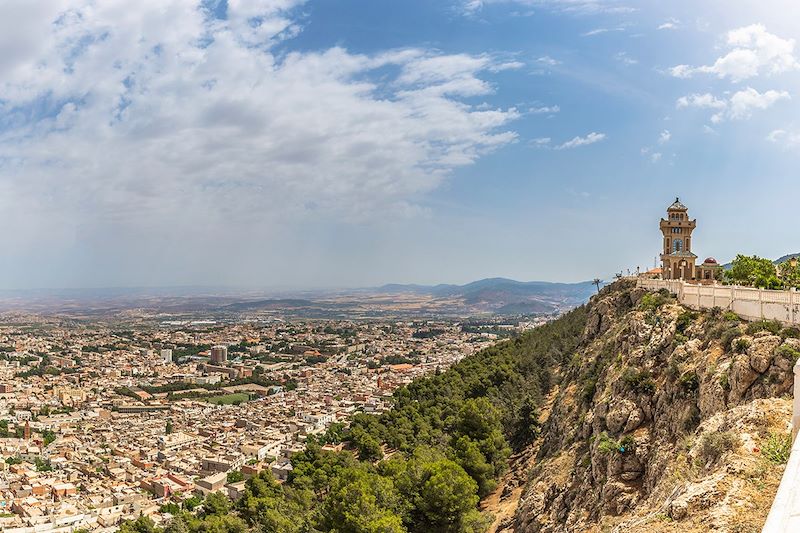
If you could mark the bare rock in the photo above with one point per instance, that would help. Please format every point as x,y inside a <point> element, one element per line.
<point>761,352</point>
<point>618,415</point>
<point>741,377</point>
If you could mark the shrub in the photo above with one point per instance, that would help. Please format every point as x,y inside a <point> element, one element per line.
<point>778,447</point>
<point>589,387</point>
<point>773,326</point>
<point>741,345</point>
<point>685,320</point>
<point>730,316</point>
<point>679,339</point>
<point>715,445</point>
<point>639,380</point>
<point>791,332</point>
<point>724,382</point>
<point>627,444</point>
<point>788,352</point>
<point>689,382</point>
<point>727,337</point>
<point>651,301</point>
<point>608,445</point>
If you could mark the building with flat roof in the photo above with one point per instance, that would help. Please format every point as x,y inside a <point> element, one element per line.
<point>219,354</point>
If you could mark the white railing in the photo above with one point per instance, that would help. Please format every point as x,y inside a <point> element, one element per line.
<point>747,302</point>
<point>784,515</point>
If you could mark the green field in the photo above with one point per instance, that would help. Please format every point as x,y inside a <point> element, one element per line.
<point>229,399</point>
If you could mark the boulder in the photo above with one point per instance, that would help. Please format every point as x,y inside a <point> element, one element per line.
<point>618,415</point>
<point>741,377</point>
<point>761,352</point>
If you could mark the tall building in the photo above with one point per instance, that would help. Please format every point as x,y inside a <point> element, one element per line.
<point>219,354</point>
<point>166,355</point>
<point>677,259</point>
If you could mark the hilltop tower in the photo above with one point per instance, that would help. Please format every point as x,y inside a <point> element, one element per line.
<point>677,259</point>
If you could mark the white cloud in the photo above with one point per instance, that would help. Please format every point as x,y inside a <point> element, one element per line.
<point>541,142</point>
<point>127,120</point>
<point>754,51</point>
<point>471,7</point>
<point>549,61</point>
<point>671,24</point>
<point>664,137</point>
<point>789,139</point>
<point>624,58</point>
<point>706,100</point>
<point>738,106</point>
<point>508,65</point>
<point>600,31</point>
<point>655,157</point>
<point>545,110</point>
<point>575,142</point>
<point>742,103</point>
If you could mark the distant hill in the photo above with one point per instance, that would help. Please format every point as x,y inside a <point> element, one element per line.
<point>505,296</point>
<point>778,261</point>
<point>785,258</point>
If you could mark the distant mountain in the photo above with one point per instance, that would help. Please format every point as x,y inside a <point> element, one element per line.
<point>785,258</point>
<point>505,296</point>
<point>778,261</point>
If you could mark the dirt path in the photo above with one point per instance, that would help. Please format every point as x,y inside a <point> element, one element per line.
<point>503,502</point>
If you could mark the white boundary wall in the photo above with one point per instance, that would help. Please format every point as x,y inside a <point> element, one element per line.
<point>748,303</point>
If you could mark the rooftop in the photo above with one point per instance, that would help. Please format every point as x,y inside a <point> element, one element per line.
<point>677,206</point>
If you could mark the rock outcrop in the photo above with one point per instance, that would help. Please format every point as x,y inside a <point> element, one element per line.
<point>661,422</point>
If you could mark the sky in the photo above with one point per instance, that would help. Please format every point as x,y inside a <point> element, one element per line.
<point>347,143</point>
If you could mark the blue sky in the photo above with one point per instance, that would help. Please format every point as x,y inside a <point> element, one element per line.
<point>308,143</point>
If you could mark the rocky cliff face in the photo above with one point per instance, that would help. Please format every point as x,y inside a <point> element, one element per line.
<point>666,420</point>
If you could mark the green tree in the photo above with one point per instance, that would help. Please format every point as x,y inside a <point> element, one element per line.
<point>789,272</point>
<point>440,496</point>
<point>362,502</point>
<point>143,524</point>
<point>216,503</point>
<point>753,271</point>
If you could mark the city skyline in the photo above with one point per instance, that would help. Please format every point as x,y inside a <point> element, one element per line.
<point>350,144</point>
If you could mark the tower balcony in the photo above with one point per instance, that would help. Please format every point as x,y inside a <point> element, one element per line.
<point>691,224</point>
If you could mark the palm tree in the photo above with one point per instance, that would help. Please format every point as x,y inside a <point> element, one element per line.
<point>597,282</point>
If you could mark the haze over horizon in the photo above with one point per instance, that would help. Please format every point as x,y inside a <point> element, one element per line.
<point>303,143</point>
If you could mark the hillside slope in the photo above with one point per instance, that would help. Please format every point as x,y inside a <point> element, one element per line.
<point>665,420</point>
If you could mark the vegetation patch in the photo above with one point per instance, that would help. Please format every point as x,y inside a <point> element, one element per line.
<point>777,448</point>
<point>741,345</point>
<point>639,380</point>
<point>652,301</point>
<point>684,320</point>
<point>788,352</point>
<point>772,326</point>
<point>229,399</point>
<point>689,383</point>
<point>715,444</point>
